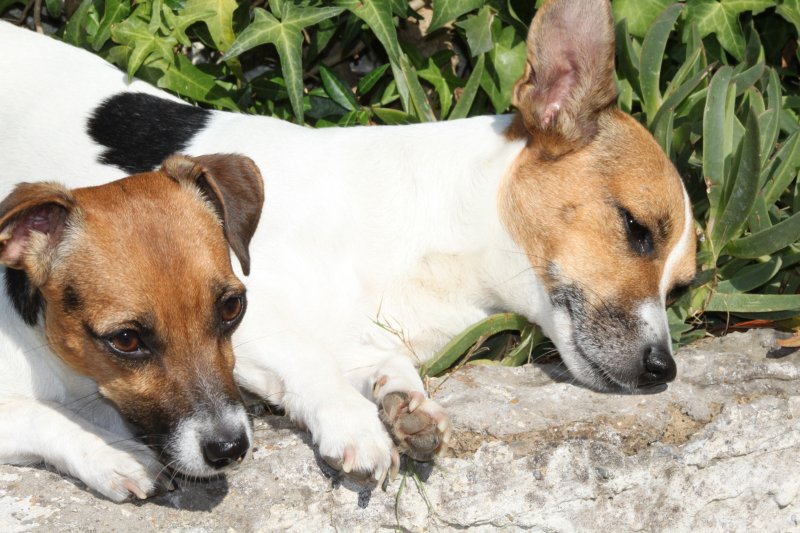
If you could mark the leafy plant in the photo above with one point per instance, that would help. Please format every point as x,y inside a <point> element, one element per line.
<point>716,81</point>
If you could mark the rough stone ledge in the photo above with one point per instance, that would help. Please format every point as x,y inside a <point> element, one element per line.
<point>719,449</point>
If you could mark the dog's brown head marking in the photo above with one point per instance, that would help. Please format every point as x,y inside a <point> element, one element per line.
<point>594,202</point>
<point>139,292</point>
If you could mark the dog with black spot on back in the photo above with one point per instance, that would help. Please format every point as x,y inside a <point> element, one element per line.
<point>566,212</point>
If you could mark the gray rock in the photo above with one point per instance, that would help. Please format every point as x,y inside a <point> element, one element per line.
<point>719,449</point>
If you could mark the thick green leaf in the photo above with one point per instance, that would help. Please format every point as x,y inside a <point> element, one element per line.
<point>788,161</point>
<point>753,303</point>
<point>337,90</point>
<point>640,14</point>
<point>530,337</point>
<point>653,46</point>
<point>716,135</point>
<point>743,192</point>
<point>461,110</point>
<point>662,129</point>
<point>628,65</point>
<point>478,30</point>
<point>460,345</point>
<point>446,10</point>
<point>751,277</point>
<point>767,242</point>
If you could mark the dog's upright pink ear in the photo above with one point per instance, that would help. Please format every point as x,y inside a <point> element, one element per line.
<point>234,185</point>
<point>569,75</point>
<point>32,221</point>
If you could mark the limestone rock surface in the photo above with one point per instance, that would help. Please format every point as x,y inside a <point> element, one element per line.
<point>719,449</point>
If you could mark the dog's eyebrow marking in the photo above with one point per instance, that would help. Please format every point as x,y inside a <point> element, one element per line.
<point>140,130</point>
<point>71,300</point>
<point>680,248</point>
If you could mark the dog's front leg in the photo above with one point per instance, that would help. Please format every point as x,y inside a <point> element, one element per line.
<point>113,464</point>
<point>306,381</point>
<point>419,426</point>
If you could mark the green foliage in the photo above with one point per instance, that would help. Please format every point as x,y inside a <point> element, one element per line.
<point>716,81</point>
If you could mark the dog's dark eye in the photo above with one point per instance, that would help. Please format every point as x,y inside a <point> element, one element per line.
<point>127,342</point>
<point>231,309</point>
<point>639,237</point>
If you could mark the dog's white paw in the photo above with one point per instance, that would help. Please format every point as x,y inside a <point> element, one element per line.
<point>419,426</point>
<point>351,438</point>
<point>119,473</point>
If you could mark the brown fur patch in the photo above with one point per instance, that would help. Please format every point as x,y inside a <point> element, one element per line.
<point>566,212</point>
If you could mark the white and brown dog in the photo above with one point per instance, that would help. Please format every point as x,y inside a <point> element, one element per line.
<point>568,213</point>
<point>119,305</point>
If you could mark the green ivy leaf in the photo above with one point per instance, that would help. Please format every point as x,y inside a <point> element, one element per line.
<point>446,10</point>
<point>114,12</point>
<point>287,36</point>
<point>218,17</point>
<point>478,29</point>
<point>640,14</point>
<point>144,45</point>
<point>434,76</point>
<point>187,80</point>
<point>722,19</point>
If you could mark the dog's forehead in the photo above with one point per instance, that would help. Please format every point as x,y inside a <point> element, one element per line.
<point>151,235</point>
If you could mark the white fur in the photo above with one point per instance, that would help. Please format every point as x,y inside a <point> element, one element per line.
<point>395,225</point>
<point>48,412</point>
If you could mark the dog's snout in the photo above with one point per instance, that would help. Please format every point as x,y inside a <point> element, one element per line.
<point>659,366</point>
<point>221,453</point>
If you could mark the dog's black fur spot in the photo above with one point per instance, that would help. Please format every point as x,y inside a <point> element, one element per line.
<point>71,300</point>
<point>26,299</point>
<point>139,130</point>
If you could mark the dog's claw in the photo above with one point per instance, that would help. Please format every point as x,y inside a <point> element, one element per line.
<point>416,399</point>
<point>134,489</point>
<point>348,460</point>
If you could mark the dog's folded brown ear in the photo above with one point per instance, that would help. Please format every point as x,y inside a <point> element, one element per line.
<point>32,220</point>
<point>569,74</point>
<point>234,185</point>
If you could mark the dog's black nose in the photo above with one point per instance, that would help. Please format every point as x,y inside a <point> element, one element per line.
<point>221,453</point>
<point>659,366</point>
